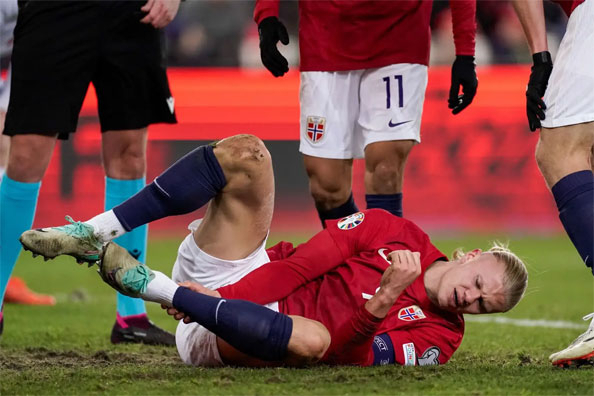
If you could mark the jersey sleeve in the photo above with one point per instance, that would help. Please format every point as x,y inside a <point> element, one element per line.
<point>352,342</point>
<point>264,9</point>
<point>464,25</point>
<point>277,279</point>
<point>425,345</point>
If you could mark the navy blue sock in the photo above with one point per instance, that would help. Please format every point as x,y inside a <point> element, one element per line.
<point>250,328</point>
<point>184,187</point>
<point>574,195</point>
<point>390,202</point>
<point>347,208</point>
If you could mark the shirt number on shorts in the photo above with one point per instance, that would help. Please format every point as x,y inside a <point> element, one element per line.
<point>387,80</point>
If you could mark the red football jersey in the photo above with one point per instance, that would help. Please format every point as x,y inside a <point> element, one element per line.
<point>330,277</point>
<point>568,5</point>
<point>336,35</point>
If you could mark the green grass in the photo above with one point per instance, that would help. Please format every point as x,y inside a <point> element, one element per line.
<point>65,349</point>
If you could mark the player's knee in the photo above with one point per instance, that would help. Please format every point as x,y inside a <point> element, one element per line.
<point>328,194</point>
<point>309,341</point>
<point>319,343</point>
<point>316,344</point>
<point>244,152</point>
<point>387,174</point>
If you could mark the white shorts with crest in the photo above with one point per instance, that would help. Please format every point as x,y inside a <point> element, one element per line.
<point>342,112</point>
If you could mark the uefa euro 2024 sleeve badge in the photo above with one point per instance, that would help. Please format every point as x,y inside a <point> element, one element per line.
<point>351,221</point>
<point>316,128</point>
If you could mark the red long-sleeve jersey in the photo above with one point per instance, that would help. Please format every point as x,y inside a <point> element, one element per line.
<point>330,277</point>
<point>568,5</point>
<point>336,35</point>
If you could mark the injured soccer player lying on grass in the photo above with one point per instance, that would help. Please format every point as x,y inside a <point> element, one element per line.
<point>368,289</point>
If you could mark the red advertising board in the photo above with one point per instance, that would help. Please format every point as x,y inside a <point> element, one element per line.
<point>473,171</point>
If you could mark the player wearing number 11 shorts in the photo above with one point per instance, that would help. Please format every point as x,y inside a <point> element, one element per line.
<point>363,79</point>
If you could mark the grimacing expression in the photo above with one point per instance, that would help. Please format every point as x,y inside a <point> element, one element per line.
<point>473,285</point>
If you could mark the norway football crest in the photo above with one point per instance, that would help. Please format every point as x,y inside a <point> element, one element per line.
<point>411,313</point>
<point>351,221</point>
<point>316,127</point>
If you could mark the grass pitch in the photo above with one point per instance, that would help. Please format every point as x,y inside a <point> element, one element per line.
<point>65,349</point>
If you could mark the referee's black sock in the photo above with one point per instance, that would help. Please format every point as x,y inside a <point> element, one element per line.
<point>250,328</point>
<point>184,187</point>
<point>574,195</point>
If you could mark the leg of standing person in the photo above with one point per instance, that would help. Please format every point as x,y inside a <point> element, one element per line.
<point>564,156</point>
<point>124,161</point>
<point>565,147</point>
<point>329,106</point>
<point>390,120</point>
<point>19,189</point>
<point>132,92</point>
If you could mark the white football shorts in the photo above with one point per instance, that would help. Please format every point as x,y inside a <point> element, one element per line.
<point>342,112</point>
<point>196,345</point>
<point>570,94</point>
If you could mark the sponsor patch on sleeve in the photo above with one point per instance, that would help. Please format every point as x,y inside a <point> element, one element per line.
<point>410,358</point>
<point>352,221</point>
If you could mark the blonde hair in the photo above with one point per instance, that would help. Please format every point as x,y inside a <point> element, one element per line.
<point>516,275</point>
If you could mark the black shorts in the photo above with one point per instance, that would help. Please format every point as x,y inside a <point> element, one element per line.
<point>62,46</point>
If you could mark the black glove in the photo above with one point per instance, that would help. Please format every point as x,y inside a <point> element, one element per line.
<point>537,85</point>
<point>271,30</point>
<point>463,74</point>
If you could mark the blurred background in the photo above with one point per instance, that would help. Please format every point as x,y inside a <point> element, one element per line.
<point>474,172</point>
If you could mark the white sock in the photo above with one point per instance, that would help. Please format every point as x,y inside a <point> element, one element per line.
<point>106,226</point>
<point>160,290</point>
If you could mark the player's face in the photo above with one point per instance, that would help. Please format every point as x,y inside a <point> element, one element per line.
<point>474,285</point>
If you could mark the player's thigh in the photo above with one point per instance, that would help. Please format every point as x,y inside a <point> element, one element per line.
<point>237,220</point>
<point>52,65</point>
<point>392,103</point>
<point>329,106</point>
<point>564,150</point>
<point>124,153</point>
<point>570,93</point>
<point>131,79</point>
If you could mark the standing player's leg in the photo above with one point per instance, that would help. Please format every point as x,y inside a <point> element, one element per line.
<point>124,160</point>
<point>564,156</point>
<point>330,185</point>
<point>384,174</point>
<point>564,152</point>
<point>329,105</point>
<point>132,93</point>
<point>28,159</point>
<point>390,120</point>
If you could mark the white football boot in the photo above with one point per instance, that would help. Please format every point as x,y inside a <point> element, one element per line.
<point>580,351</point>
